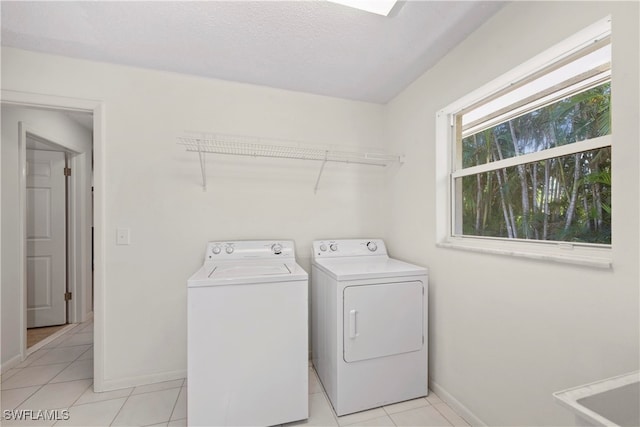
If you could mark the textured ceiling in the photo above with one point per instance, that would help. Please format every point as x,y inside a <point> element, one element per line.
<point>310,46</point>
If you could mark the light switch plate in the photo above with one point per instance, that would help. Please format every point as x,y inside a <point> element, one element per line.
<point>123,236</point>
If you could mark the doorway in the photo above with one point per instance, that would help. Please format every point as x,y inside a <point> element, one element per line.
<point>47,231</point>
<point>14,337</point>
<point>57,216</point>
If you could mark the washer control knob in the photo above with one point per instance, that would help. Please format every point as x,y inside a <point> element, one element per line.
<point>229,249</point>
<point>333,247</point>
<point>323,247</point>
<point>216,250</point>
<point>372,246</point>
<point>276,248</point>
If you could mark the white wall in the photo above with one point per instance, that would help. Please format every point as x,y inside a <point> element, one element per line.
<point>58,128</point>
<point>504,332</point>
<point>154,188</point>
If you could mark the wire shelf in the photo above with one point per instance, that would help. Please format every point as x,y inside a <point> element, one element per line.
<point>258,147</point>
<point>223,144</point>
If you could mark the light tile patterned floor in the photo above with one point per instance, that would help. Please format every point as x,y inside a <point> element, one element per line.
<point>60,377</point>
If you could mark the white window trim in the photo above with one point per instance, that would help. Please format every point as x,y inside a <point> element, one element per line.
<point>592,255</point>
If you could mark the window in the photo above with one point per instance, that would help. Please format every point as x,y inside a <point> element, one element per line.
<point>529,157</point>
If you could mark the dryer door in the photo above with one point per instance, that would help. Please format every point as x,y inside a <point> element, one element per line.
<point>382,320</point>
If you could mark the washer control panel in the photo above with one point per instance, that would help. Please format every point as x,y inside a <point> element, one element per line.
<point>249,249</point>
<point>348,247</point>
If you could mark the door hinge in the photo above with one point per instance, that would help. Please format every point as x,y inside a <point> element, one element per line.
<point>67,171</point>
<point>68,296</point>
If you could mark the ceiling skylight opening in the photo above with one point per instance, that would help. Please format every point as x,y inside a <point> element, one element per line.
<point>380,7</point>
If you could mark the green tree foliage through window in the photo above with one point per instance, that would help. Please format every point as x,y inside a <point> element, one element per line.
<point>565,198</point>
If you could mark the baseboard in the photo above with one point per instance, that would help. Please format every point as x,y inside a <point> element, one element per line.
<point>88,316</point>
<point>462,410</point>
<point>109,385</point>
<point>14,361</point>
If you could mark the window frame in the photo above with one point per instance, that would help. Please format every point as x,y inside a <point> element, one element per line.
<point>587,254</point>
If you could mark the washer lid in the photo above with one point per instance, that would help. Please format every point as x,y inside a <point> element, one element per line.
<point>251,270</point>
<point>353,268</point>
<point>243,273</point>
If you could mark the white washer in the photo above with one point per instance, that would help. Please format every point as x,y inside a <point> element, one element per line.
<point>248,336</point>
<point>368,325</point>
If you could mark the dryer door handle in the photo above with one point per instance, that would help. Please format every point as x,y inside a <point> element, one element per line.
<point>353,332</point>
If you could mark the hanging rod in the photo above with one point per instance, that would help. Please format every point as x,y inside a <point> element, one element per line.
<point>260,147</point>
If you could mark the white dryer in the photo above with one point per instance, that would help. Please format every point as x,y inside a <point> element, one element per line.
<point>248,336</point>
<point>368,325</point>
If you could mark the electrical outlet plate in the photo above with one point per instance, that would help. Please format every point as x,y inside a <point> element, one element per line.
<point>123,236</point>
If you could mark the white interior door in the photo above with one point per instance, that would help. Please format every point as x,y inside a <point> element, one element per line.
<point>46,242</point>
<point>382,320</point>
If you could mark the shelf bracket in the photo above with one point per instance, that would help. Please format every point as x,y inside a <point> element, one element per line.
<point>324,162</point>
<point>203,167</point>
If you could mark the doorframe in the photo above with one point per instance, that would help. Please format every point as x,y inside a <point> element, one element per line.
<point>97,108</point>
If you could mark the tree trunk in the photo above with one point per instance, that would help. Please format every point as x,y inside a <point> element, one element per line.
<point>585,206</point>
<point>514,228</point>
<point>524,190</point>
<point>502,180</point>
<point>534,196</point>
<point>504,206</point>
<point>487,201</point>
<point>597,197</point>
<point>478,203</point>
<point>574,192</point>
<point>545,199</point>
<point>478,191</point>
<point>547,192</point>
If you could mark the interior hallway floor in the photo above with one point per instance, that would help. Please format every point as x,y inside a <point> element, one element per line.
<point>35,335</point>
<point>60,376</point>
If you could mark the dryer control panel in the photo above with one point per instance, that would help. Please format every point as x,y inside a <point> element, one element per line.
<point>348,248</point>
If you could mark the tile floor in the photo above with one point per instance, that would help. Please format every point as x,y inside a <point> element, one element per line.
<point>60,376</point>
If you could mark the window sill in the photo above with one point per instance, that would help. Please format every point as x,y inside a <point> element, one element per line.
<point>548,252</point>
